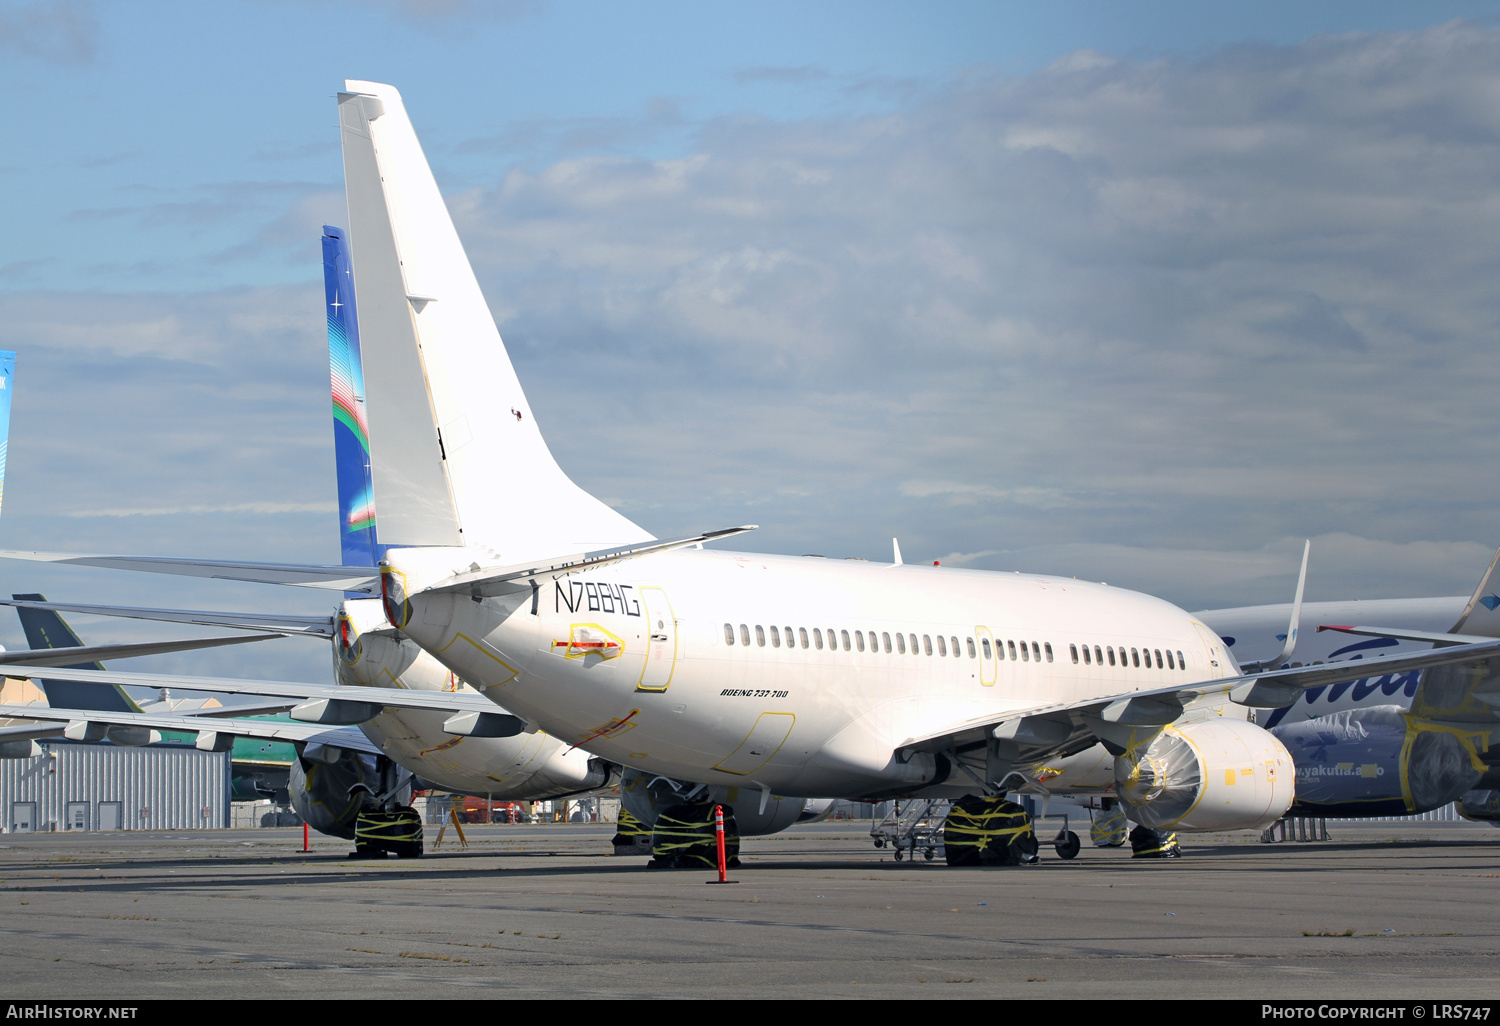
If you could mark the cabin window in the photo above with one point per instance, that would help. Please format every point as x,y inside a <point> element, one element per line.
<point>818,639</point>
<point>1025,653</point>
<point>1098,656</point>
<point>886,637</point>
<point>1181,662</point>
<point>874,642</point>
<point>1135,658</point>
<point>901,643</point>
<point>942,648</point>
<point>1048,647</point>
<point>972,653</point>
<point>729,634</point>
<point>1170,664</point>
<point>913,639</point>
<point>1086,660</point>
<point>1074,650</point>
<point>985,644</point>
<point>859,640</point>
<point>846,639</point>
<point>955,646</point>
<point>744,634</point>
<point>1158,659</point>
<point>802,633</point>
<point>760,636</point>
<point>927,644</point>
<point>775,637</point>
<point>1111,651</point>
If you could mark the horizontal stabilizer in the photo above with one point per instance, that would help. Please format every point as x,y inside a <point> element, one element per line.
<point>364,580</point>
<point>87,653</point>
<point>498,580</point>
<point>313,626</point>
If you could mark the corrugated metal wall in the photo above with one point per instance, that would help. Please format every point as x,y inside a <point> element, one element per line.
<point>108,787</point>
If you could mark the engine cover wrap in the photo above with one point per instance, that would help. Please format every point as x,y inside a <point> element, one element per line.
<point>1210,775</point>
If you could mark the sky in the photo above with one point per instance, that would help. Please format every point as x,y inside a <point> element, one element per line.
<point>1144,294</point>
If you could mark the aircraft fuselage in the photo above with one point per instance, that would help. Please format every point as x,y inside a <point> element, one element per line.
<point>800,675</point>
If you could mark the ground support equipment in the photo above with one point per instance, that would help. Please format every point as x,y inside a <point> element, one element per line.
<point>912,825</point>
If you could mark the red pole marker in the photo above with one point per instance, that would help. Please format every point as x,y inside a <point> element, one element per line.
<point>304,837</point>
<point>719,837</point>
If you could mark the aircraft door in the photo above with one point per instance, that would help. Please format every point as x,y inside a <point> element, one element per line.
<point>661,641</point>
<point>987,656</point>
<point>1213,651</point>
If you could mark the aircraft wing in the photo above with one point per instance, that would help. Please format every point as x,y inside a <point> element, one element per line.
<point>489,581</point>
<point>56,722</point>
<point>88,653</point>
<point>307,696</point>
<point>365,580</point>
<point>313,626</point>
<point>1403,634</point>
<point>1133,717</point>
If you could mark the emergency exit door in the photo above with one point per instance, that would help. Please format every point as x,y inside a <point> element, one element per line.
<point>661,641</point>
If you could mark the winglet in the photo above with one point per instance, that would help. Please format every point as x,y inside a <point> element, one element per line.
<point>1291,631</point>
<point>1482,606</point>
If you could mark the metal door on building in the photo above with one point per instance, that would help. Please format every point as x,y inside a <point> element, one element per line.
<point>78,816</point>
<point>22,817</point>
<point>111,815</point>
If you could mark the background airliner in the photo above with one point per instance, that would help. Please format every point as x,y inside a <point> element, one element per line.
<point>1383,745</point>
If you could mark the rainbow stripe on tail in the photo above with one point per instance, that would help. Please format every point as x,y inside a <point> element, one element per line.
<point>351,428</point>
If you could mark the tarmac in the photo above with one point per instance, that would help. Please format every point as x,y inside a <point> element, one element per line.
<point>1379,912</point>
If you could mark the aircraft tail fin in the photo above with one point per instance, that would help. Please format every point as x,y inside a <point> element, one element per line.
<point>7,372</point>
<point>351,427</point>
<point>456,455</point>
<point>46,629</point>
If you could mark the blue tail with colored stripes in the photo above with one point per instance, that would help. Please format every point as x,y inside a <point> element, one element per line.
<point>351,429</point>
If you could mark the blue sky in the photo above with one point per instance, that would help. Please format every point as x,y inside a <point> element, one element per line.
<point>1144,293</point>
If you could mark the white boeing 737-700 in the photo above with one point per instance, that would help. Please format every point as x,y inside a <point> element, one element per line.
<point>798,676</point>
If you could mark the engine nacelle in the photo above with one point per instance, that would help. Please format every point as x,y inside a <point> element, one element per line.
<point>646,796</point>
<point>1480,807</point>
<point>1378,761</point>
<point>319,783</point>
<point>1210,775</point>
